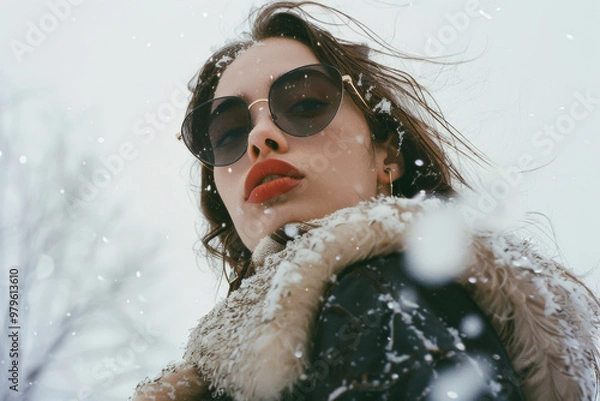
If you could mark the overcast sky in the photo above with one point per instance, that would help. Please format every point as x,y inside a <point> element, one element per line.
<point>118,71</point>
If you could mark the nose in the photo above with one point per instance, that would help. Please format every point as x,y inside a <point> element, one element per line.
<point>265,136</point>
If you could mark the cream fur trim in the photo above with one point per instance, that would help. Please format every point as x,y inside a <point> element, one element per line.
<point>546,319</point>
<point>254,344</point>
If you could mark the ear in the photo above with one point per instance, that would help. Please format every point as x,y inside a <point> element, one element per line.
<point>390,163</point>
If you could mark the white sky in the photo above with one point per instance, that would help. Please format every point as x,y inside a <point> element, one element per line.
<point>108,64</point>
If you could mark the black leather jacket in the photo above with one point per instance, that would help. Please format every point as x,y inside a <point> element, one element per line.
<point>382,336</point>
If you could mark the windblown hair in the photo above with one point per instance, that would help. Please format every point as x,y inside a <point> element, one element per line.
<point>397,105</point>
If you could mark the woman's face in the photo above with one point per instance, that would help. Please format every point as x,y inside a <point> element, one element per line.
<point>281,178</point>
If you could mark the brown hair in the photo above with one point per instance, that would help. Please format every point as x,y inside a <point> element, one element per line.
<point>397,104</point>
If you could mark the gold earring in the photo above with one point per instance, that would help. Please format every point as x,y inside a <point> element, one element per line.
<point>389,173</point>
<point>231,277</point>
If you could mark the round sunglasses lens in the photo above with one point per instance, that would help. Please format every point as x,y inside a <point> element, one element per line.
<point>305,100</point>
<point>217,131</point>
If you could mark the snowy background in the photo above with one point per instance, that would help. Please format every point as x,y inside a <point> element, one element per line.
<point>98,211</point>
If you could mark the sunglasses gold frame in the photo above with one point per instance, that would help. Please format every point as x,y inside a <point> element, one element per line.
<point>345,78</point>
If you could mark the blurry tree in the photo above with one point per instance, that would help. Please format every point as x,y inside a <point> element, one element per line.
<point>81,259</point>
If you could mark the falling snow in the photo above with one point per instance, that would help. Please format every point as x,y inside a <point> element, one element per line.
<point>384,106</point>
<point>437,246</point>
<point>472,326</point>
<point>291,230</point>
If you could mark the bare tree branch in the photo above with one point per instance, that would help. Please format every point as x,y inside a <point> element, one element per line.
<point>68,276</point>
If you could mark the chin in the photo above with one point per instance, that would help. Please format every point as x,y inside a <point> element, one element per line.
<point>285,209</point>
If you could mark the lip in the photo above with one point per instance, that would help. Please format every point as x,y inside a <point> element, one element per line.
<point>255,192</point>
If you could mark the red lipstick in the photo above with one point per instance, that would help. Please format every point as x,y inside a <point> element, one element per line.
<point>269,179</point>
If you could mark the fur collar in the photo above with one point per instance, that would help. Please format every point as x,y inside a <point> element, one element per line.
<point>254,344</point>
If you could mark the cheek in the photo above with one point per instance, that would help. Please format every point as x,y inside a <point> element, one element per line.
<point>221,184</point>
<point>226,182</point>
<point>344,163</point>
<point>347,136</point>
<point>348,145</point>
<point>352,127</point>
<point>355,165</point>
<point>250,223</point>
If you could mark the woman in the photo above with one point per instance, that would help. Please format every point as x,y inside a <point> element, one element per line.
<point>318,167</point>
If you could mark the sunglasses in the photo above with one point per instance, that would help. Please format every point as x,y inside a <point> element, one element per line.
<point>302,102</point>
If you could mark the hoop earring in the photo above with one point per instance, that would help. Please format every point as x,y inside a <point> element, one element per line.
<point>389,173</point>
